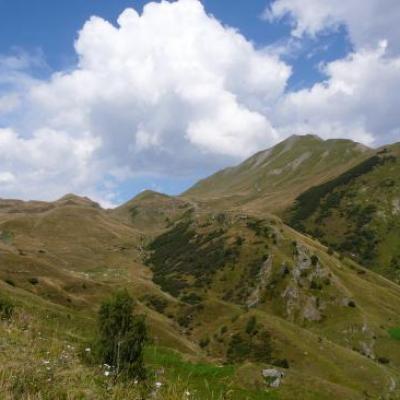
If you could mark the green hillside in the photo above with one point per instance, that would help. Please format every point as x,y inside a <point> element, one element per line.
<point>227,295</point>
<point>271,180</point>
<point>358,213</point>
<point>151,211</point>
<point>255,291</point>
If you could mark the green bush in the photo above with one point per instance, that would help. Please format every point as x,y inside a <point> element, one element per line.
<point>204,342</point>
<point>122,336</point>
<point>6,309</point>
<point>244,347</point>
<point>251,325</point>
<point>156,303</point>
<point>314,260</point>
<point>9,282</point>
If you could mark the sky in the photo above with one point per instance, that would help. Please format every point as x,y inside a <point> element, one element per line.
<point>107,98</point>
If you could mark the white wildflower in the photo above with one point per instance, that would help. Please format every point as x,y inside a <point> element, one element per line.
<point>106,373</point>
<point>158,385</point>
<point>88,349</point>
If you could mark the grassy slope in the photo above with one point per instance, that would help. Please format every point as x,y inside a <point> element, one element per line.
<point>358,216</point>
<point>87,253</point>
<point>272,179</point>
<point>321,352</point>
<point>151,212</point>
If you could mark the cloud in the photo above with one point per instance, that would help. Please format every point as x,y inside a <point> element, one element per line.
<point>368,21</point>
<point>47,161</point>
<point>166,92</point>
<point>173,92</point>
<point>358,100</point>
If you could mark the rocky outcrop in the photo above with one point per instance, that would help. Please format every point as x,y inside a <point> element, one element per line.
<point>273,377</point>
<point>262,279</point>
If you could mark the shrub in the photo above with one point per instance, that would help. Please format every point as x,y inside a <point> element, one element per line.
<point>282,363</point>
<point>122,336</point>
<point>192,298</point>
<point>9,282</point>
<point>156,303</point>
<point>6,309</point>
<point>258,348</point>
<point>239,241</point>
<point>314,260</point>
<point>204,342</point>
<point>33,281</point>
<point>351,303</point>
<point>239,349</point>
<point>251,325</point>
<point>315,285</point>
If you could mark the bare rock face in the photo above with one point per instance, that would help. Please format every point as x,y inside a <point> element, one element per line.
<point>311,311</point>
<point>292,296</point>
<point>298,301</point>
<point>262,280</point>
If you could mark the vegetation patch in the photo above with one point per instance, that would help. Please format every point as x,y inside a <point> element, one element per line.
<point>309,201</point>
<point>121,337</point>
<point>182,254</point>
<point>6,237</point>
<point>395,333</point>
<point>6,309</point>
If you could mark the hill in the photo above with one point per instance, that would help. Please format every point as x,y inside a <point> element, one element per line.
<point>358,213</point>
<point>228,295</point>
<point>151,211</point>
<point>270,180</point>
<point>253,290</point>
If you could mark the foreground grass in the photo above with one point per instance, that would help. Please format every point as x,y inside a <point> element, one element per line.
<point>41,360</point>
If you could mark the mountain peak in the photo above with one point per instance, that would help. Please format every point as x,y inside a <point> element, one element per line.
<point>271,179</point>
<point>73,199</point>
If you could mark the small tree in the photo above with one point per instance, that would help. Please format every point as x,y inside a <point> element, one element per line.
<point>251,325</point>
<point>122,336</point>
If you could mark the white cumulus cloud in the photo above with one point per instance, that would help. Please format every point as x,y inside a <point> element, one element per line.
<point>368,21</point>
<point>167,91</point>
<point>358,100</point>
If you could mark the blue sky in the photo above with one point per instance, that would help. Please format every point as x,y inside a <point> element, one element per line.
<point>51,27</point>
<point>110,110</point>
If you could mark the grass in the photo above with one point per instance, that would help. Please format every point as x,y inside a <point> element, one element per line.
<point>321,354</point>
<point>204,381</point>
<point>394,333</point>
<point>48,364</point>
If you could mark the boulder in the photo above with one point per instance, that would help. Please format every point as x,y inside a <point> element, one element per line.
<point>273,377</point>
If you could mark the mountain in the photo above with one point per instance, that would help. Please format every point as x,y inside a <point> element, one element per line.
<point>251,289</point>
<point>358,212</point>
<point>264,287</point>
<point>152,211</point>
<point>270,180</point>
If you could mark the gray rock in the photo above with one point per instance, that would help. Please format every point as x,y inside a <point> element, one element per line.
<point>273,377</point>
